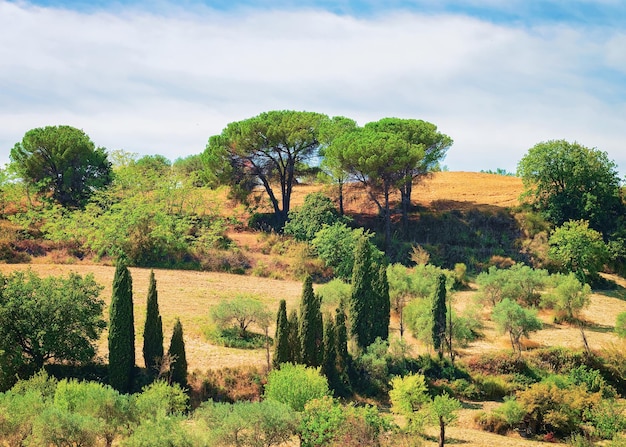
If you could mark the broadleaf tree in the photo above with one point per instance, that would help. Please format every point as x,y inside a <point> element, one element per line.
<point>62,161</point>
<point>52,318</point>
<point>267,150</point>
<point>568,181</point>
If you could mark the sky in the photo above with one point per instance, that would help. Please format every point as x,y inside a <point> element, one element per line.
<point>161,77</point>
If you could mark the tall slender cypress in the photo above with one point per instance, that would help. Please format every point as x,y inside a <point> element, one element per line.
<point>311,326</point>
<point>362,296</point>
<point>344,361</point>
<point>281,339</point>
<point>121,330</point>
<point>382,307</point>
<point>294,337</point>
<point>329,363</point>
<point>153,330</point>
<point>439,315</point>
<point>178,358</point>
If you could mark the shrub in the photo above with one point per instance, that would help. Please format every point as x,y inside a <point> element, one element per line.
<point>607,418</point>
<point>325,422</point>
<point>295,385</point>
<point>550,409</point>
<point>620,325</point>
<point>226,385</point>
<point>318,210</point>
<point>408,395</point>
<point>254,424</point>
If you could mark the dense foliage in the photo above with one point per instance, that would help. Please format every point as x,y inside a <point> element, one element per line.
<point>121,330</point>
<point>62,161</point>
<point>568,181</point>
<point>153,329</point>
<point>43,319</point>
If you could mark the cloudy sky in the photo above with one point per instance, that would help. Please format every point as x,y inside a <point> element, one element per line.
<point>161,77</point>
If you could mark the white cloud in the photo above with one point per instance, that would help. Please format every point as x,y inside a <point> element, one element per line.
<point>163,84</point>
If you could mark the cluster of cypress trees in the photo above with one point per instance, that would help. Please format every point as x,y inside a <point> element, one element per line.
<point>309,339</point>
<point>122,335</point>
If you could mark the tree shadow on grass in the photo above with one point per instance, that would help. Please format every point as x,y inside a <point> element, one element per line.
<point>451,441</point>
<point>600,328</point>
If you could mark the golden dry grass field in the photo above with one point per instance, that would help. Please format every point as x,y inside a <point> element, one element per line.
<point>189,295</point>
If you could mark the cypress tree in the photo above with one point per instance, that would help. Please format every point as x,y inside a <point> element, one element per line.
<point>439,316</point>
<point>178,366</point>
<point>311,326</point>
<point>382,307</point>
<point>329,363</point>
<point>344,361</point>
<point>362,296</point>
<point>281,339</point>
<point>294,337</point>
<point>121,330</point>
<point>153,330</point>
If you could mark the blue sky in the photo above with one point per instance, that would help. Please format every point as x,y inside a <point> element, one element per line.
<point>162,77</point>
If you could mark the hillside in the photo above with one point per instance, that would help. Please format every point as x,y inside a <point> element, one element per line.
<point>189,295</point>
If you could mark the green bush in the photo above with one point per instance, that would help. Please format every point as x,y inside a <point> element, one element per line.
<point>231,338</point>
<point>318,210</point>
<point>254,424</point>
<point>620,325</point>
<point>295,385</point>
<point>325,422</point>
<point>607,418</point>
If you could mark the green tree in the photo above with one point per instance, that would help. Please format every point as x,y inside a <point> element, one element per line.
<point>444,411</point>
<point>329,363</point>
<point>62,161</point>
<point>153,329</point>
<point>254,424</point>
<point>362,298</point>
<point>295,385</point>
<point>242,310</point>
<point>571,296</point>
<point>439,312</point>
<point>416,133</point>
<point>381,308</point>
<point>513,319</point>
<point>567,181</point>
<point>400,291</point>
<point>318,210</point>
<point>344,361</point>
<point>335,245</point>
<point>377,159</point>
<point>331,166</point>
<point>294,337</point>
<point>579,249</point>
<point>121,330</point>
<point>281,345</point>
<point>110,412</point>
<point>178,357</point>
<point>52,318</point>
<point>311,326</point>
<point>409,394</point>
<point>269,148</point>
